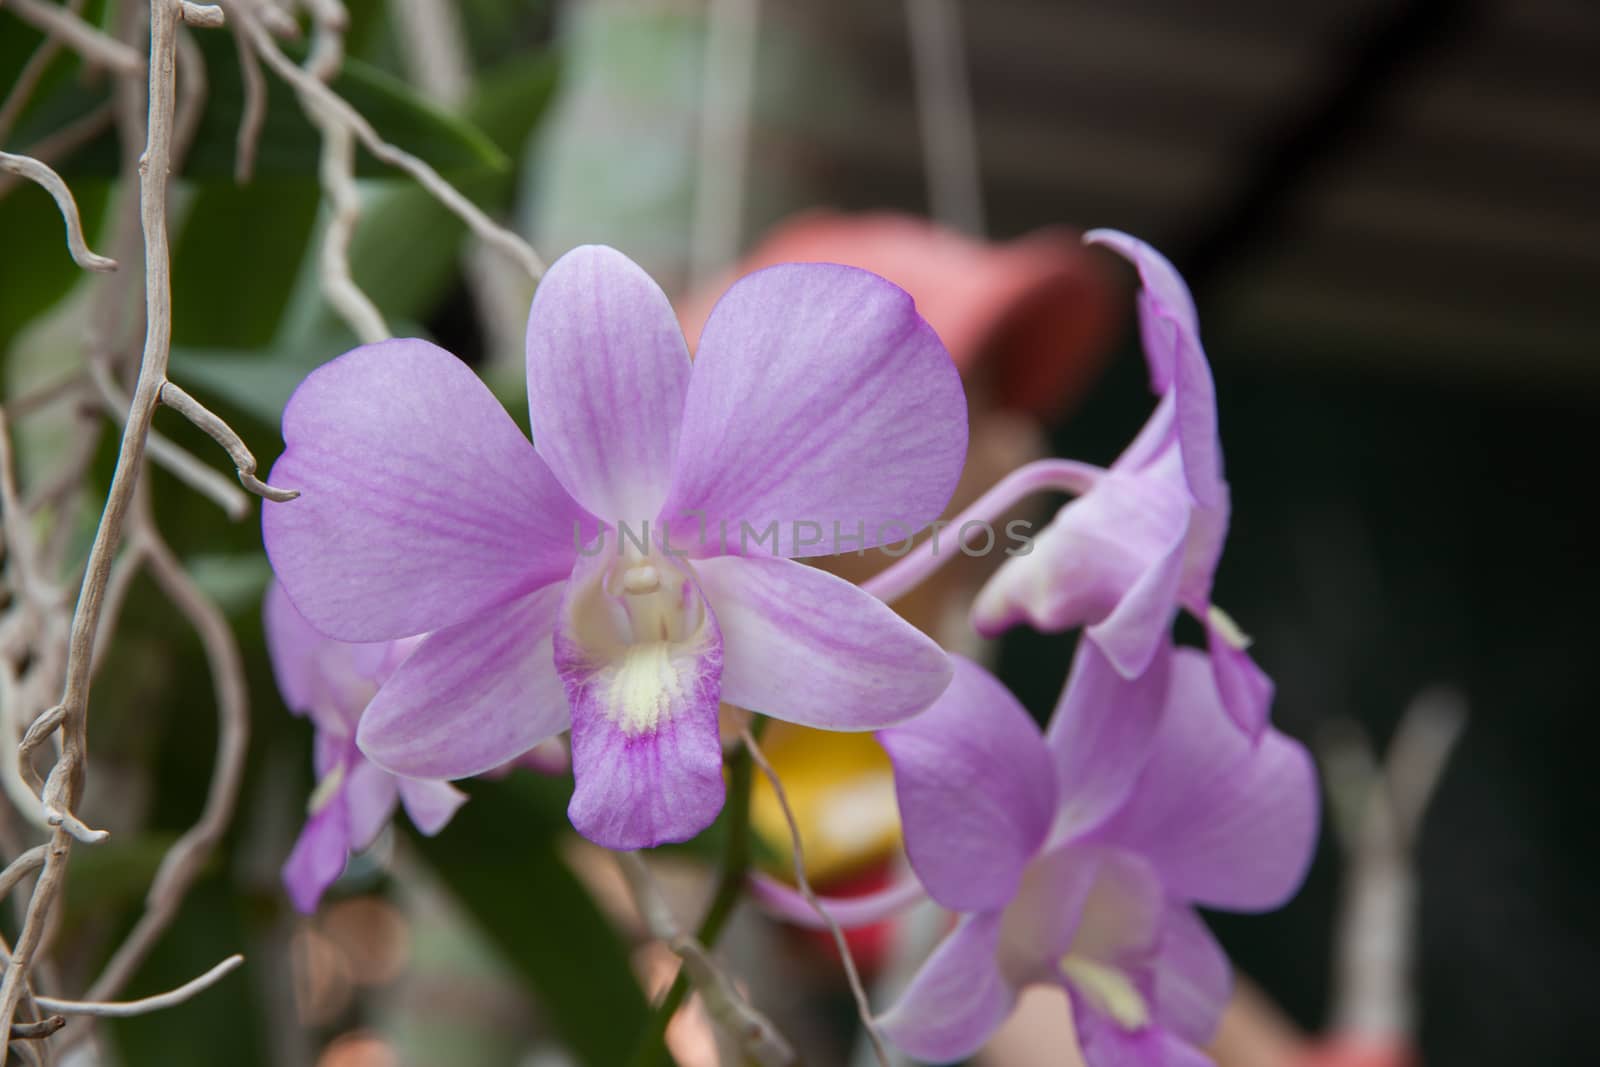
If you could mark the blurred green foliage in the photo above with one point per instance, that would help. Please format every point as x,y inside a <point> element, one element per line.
<point>248,324</point>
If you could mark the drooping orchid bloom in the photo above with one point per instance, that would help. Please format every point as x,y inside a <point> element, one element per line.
<point>1145,537</point>
<point>636,565</point>
<point>333,682</point>
<point>1075,859</point>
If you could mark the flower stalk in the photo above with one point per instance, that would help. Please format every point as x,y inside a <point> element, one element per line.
<point>652,1048</point>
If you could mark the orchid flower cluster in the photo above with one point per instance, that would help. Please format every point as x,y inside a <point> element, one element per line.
<point>451,595</point>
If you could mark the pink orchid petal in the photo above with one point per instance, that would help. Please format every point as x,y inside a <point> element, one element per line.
<point>957,999</point>
<point>1100,735</point>
<point>293,646</point>
<point>471,696</point>
<point>976,790</point>
<point>1193,978</point>
<point>1106,1044</point>
<point>819,397</point>
<point>1228,823</point>
<point>1111,559</point>
<point>429,803</point>
<point>607,372</point>
<point>318,857</point>
<point>646,755</point>
<point>784,901</point>
<point>370,797</point>
<point>421,504</point>
<point>808,647</point>
<point>1171,333</point>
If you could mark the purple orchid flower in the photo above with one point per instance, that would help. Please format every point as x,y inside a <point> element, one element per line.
<point>1146,536</point>
<point>1075,858</point>
<point>819,402</point>
<point>332,682</point>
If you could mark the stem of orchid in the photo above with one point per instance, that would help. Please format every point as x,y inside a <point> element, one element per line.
<point>652,1046</point>
<point>1056,475</point>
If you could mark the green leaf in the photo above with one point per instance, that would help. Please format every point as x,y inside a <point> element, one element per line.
<point>500,856</point>
<point>405,252</point>
<point>235,263</point>
<point>34,238</point>
<point>290,145</point>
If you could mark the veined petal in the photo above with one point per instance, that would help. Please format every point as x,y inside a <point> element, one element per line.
<point>430,803</point>
<point>370,797</point>
<point>1100,735</point>
<point>820,405</point>
<point>1227,822</point>
<point>642,671</point>
<point>421,504</point>
<point>318,857</point>
<point>1171,333</point>
<point>607,372</point>
<point>957,999</point>
<point>808,647</point>
<point>472,696</point>
<point>1193,978</point>
<point>976,788</point>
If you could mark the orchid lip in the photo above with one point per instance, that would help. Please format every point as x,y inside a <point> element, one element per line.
<point>632,624</point>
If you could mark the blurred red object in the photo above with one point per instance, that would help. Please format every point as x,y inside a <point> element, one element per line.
<point>1356,1051</point>
<point>1029,322</point>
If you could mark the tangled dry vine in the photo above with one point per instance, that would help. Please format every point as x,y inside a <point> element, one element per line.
<point>51,641</point>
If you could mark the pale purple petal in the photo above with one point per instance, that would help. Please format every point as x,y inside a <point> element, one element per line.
<point>421,504</point>
<point>646,755</point>
<point>318,857</point>
<point>429,803</point>
<point>1171,333</point>
<point>548,757</point>
<point>1228,823</point>
<point>639,790</point>
<point>808,647</point>
<point>1111,560</point>
<point>976,790</point>
<point>957,999</point>
<point>1100,735</point>
<point>293,646</point>
<point>1193,978</point>
<point>370,797</point>
<point>819,397</point>
<point>1106,1044</point>
<point>1245,689</point>
<point>607,372</point>
<point>785,902</point>
<point>472,696</point>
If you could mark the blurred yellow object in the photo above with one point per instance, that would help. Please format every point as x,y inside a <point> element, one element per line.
<point>841,789</point>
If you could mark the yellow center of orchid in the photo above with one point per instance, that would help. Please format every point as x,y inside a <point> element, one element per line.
<point>1109,990</point>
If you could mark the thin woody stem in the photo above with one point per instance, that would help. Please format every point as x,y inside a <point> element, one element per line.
<point>652,1048</point>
